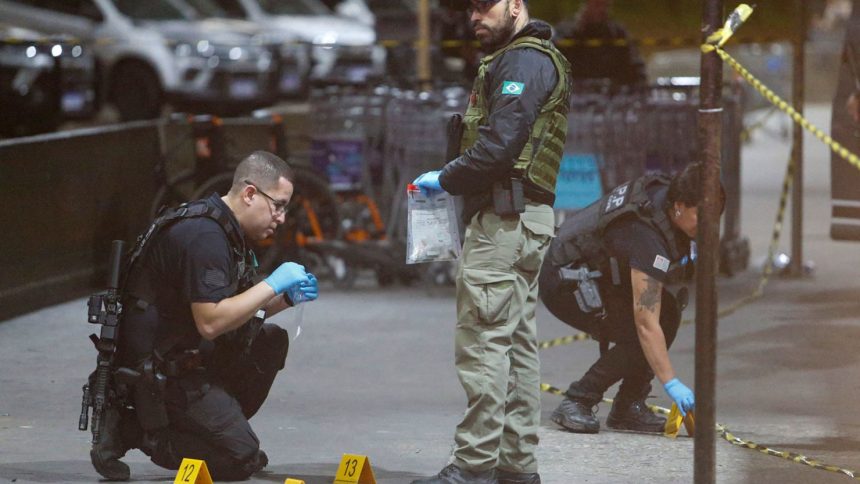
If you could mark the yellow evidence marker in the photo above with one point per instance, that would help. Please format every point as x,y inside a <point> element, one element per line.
<point>294,481</point>
<point>673,423</point>
<point>354,469</point>
<point>192,471</point>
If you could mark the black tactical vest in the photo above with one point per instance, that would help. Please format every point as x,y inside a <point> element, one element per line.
<point>582,240</point>
<point>138,292</point>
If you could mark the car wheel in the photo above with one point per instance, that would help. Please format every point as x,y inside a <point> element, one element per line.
<point>135,91</point>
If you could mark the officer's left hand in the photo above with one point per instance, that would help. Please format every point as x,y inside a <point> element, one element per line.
<point>310,290</point>
<point>305,291</point>
<point>682,395</point>
<point>428,182</point>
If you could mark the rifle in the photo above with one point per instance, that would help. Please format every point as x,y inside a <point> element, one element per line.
<point>104,309</point>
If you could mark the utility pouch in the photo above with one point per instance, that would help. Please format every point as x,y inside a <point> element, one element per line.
<point>587,292</point>
<point>508,197</point>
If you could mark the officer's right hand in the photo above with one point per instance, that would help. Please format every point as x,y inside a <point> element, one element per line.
<point>287,276</point>
<point>428,182</point>
<point>682,395</point>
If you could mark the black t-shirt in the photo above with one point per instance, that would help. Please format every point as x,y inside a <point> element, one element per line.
<point>189,261</point>
<point>635,245</point>
<point>638,245</point>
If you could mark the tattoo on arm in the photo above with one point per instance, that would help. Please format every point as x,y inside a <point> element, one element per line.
<point>649,298</point>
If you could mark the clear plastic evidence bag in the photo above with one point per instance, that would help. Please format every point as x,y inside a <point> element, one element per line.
<point>432,233</point>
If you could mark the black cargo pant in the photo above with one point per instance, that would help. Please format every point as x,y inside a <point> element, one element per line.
<point>625,360</point>
<point>209,410</point>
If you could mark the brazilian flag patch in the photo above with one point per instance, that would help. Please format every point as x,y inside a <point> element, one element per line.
<point>511,88</point>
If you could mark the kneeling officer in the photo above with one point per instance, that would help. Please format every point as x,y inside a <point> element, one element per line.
<point>605,274</point>
<point>191,333</point>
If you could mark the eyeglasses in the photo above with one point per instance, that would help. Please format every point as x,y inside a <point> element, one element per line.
<point>279,205</point>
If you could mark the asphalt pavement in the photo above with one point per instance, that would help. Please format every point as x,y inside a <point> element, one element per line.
<point>372,372</point>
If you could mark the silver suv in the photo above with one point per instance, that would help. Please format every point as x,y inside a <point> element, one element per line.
<point>342,50</point>
<point>150,54</point>
<point>292,57</point>
<point>43,81</point>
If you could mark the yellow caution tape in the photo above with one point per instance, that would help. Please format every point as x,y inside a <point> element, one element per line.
<point>724,433</point>
<point>564,340</point>
<point>785,107</point>
<point>733,23</point>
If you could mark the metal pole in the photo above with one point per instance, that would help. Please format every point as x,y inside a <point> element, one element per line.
<point>710,135</point>
<point>797,84</point>
<point>423,47</point>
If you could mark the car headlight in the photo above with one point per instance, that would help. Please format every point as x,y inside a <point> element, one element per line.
<point>326,39</point>
<point>183,49</point>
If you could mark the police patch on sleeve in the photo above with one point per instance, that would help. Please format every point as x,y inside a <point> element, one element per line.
<point>661,263</point>
<point>511,88</point>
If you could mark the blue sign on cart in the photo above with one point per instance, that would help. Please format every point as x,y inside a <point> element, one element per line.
<point>578,183</point>
<point>342,161</point>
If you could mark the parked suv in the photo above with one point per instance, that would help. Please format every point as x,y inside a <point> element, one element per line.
<point>43,81</point>
<point>342,50</point>
<point>150,54</point>
<point>292,57</point>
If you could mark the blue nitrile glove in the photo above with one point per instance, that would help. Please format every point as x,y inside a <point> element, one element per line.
<point>304,292</point>
<point>428,182</point>
<point>287,276</point>
<point>310,290</point>
<point>682,395</point>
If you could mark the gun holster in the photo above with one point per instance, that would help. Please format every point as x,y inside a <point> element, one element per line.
<point>149,397</point>
<point>508,197</point>
<point>586,291</point>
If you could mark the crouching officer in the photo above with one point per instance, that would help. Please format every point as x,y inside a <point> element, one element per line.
<point>191,336</point>
<point>605,274</point>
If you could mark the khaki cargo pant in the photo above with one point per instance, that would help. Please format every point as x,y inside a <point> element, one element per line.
<point>496,351</point>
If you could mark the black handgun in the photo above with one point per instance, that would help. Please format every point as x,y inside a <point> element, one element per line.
<point>586,293</point>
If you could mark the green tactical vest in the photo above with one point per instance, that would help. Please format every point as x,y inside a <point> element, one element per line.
<point>541,156</point>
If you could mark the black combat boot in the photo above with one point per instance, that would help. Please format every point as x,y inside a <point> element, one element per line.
<point>634,416</point>
<point>454,475</point>
<point>256,463</point>
<point>506,477</point>
<point>106,453</point>
<point>576,411</point>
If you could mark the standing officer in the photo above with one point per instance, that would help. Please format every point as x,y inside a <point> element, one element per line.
<point>191,326</point>
<point>513,135</point>
<point>605,274</point>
